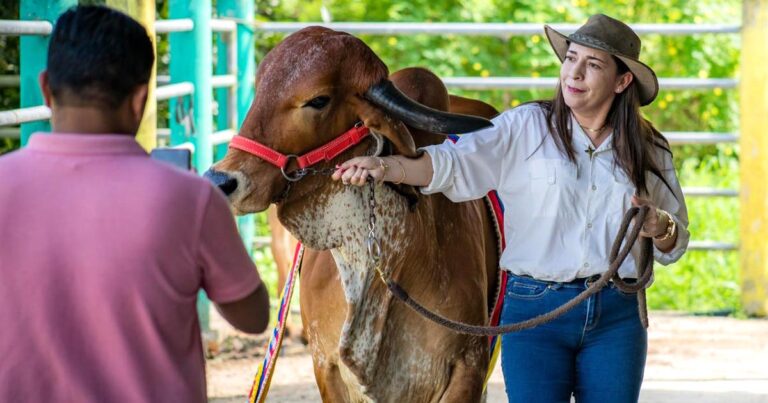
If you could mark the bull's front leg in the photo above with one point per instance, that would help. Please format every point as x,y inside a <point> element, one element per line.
<point>331,385</point>
<point>467,377</point>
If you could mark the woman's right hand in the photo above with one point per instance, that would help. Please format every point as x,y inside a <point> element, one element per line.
<point>357,170</point>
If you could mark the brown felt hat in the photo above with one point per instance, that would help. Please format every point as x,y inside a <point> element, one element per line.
<point>610,35</point>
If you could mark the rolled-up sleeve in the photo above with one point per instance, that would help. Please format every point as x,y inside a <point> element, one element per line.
<point>673,202</point>
<point>474,165</point>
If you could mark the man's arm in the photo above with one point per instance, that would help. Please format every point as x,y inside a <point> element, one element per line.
<point>250,314</point>
<point>229,276</point>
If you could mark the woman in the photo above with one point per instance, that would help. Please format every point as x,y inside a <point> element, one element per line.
<point>566,170</point>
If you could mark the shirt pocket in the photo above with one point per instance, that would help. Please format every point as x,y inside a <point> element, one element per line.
<point>620,199</point>
<point>552,183</point>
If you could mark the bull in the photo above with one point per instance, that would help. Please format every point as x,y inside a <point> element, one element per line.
<point>365,346</point>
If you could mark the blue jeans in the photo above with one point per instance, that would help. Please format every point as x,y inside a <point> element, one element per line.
<point>596,351</point>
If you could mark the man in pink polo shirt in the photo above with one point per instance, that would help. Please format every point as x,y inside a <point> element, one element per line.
<point>102,250</point>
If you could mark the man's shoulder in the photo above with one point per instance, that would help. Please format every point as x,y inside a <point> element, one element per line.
<point>11,162</point>
<point>174,179</point>
<point>169,171</point>
<point>11,155</point>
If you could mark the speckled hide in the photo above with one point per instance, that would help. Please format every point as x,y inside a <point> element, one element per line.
<point>365,345</point>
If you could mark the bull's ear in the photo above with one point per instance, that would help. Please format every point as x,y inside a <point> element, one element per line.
<point>377,120</point>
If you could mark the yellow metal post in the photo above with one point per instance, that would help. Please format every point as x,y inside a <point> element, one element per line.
<point>754,157</point>
<point>144,12</point>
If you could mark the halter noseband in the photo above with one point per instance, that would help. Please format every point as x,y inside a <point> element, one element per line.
<point>326,152</point>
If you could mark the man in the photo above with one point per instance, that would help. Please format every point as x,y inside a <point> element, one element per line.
<point>102,250</point>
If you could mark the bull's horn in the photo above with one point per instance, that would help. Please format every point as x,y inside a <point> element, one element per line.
<point>414,114</point>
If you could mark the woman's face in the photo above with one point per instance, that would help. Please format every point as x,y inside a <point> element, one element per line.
<point>589,79</point>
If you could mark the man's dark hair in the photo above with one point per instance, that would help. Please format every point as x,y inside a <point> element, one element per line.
<point>97,56</point>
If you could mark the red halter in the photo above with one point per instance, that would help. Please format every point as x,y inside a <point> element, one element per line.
<point>325,152</point>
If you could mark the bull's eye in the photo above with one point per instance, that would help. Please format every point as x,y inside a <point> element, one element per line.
<point>318,102</point>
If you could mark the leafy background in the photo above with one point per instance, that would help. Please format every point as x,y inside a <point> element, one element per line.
<point>702,281</point>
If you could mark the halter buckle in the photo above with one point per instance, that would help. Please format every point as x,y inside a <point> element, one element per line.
<point>294,176</point>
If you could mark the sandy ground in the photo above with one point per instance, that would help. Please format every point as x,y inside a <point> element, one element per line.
<point>690,359</point>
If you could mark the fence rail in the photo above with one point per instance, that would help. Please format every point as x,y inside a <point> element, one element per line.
<point>175,25</point>
<point>222,136</point>
<point>10,132</point>
<point>712,245</point>
<point>681,138</point>
<point>24,115</point>
<point>174,90</point>
<point>492,83</point>
<point>223,25</point>
<point>709,192</point>
<point>166,90</point>
<point>227,80</point>
<point>16,27</point>
<point>9,81</point>
<point>484,29</point>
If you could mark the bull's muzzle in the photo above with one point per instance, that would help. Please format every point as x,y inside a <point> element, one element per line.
<point>222,180</point>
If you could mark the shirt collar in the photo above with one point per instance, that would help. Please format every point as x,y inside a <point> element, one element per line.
<point>88,144</point>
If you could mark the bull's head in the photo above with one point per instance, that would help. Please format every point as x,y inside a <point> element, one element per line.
<point>315,85</point>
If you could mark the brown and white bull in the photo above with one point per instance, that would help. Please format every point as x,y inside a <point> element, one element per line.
<point>366,346</point>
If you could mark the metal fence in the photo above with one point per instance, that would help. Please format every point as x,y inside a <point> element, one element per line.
<point>229,80</point>
<point>188,90</point>
<point>506,30</point>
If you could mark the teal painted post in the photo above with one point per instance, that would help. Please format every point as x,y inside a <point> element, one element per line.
<point>33,50</point>
<point>246,59</point>
<point>191,61</point>
<point>246,74</point>
<point>242,11</point>
<point>224,9</point>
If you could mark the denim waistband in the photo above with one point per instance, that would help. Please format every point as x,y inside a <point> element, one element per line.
<point>581,282</point>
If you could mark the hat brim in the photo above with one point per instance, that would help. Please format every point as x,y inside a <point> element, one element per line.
<point>648,84</point>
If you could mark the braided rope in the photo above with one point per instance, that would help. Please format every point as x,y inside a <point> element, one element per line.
<point>617,256</point>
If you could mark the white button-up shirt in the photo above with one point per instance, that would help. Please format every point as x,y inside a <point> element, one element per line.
<point>560,218</point>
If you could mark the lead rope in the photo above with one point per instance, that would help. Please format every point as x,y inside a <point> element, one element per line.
<point>617,257</point>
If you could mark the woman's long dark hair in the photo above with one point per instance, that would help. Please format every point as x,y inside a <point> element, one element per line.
<point>634,137</point>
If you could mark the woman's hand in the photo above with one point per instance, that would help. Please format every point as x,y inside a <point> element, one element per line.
<point>357,170</point>
<point>392,168</point>
<point>656,222</point>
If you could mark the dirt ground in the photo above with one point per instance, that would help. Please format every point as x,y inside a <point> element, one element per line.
<point>690,359</point>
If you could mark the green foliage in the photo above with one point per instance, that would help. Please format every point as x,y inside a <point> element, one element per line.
<point>9,65</point>
<point>263,256</point>
<point>705,281</point>
<point>701,281</point>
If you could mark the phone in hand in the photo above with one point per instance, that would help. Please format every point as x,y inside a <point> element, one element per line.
<point>178,157</point>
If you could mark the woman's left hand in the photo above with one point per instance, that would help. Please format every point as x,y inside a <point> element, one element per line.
<point>655,224</point>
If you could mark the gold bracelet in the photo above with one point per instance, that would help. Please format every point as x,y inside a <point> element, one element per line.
<point>671,228</point>
<point>402,170</point>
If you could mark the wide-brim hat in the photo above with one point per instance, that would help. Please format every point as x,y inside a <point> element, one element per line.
<point>612,36</point>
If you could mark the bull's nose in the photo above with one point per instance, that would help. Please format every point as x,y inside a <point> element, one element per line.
<point>222,180</point>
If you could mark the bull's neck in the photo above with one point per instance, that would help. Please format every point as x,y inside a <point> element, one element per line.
<point>340,222</point>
